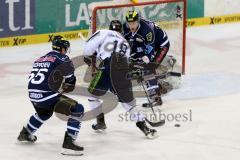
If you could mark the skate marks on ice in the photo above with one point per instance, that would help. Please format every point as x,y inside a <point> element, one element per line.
<point>206,85</point>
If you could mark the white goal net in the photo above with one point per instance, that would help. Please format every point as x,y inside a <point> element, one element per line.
<point>170,15</point>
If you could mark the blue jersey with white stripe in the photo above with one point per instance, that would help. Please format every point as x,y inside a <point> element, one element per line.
<point>146,40</point>
<point>47,75</point>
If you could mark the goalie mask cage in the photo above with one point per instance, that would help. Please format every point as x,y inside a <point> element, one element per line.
<point>170,15</point>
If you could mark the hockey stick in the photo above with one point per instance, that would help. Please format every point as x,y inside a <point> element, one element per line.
<point>148,98</point>
<point>144,73</point>
<point>93,65</point>
<point>81,36</point>
<point>153,124</point>
<point>167,74</point>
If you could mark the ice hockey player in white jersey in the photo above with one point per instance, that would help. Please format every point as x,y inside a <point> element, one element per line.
<point>112,49</point>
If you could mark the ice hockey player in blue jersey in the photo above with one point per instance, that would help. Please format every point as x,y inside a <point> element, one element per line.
<point>50,74</point>
<point>149,45</point>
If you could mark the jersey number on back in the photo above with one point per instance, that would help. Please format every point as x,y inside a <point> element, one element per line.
<point>117,47</point>
<point>37,76</point>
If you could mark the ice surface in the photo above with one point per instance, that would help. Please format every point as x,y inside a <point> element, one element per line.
<point>210,92</point>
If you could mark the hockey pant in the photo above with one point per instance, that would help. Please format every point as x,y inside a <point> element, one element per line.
<point>63,105</point>
<point>112,77</point>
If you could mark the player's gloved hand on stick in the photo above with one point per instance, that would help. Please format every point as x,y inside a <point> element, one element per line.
<point>135,60</point>
<point>67,87</point>
<point>87,60</point>
<point>143,59</point>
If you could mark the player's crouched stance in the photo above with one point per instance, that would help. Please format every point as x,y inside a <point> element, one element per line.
<point>149,48</point>
<point>113,51</point>
<point>45,80</point>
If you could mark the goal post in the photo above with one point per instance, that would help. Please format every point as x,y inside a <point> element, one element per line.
<point>170,15</point>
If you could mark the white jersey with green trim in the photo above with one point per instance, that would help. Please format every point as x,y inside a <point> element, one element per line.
<point>106,42</point>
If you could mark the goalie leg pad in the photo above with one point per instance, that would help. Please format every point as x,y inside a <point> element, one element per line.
<point>152,87</point>
<point>165,87</point>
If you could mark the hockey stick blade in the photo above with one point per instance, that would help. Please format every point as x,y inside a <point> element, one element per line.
<point>155,124</point>
<point>167,74</point>
<point>175,74</point>
<point>141,74</point>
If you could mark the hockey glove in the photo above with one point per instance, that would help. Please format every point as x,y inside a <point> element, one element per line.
<point>145,59</point>
<point>69,84</point>
<point>135,60</point>
<point>67,87</point>
<point>87,60</point>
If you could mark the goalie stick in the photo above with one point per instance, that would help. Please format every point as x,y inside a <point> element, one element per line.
<point>167,74</point>
<point>140,74</point>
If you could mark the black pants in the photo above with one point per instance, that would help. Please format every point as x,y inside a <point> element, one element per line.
<point>62,105</point>
<point>113,77</point>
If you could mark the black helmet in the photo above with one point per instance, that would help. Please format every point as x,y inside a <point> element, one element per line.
<point>115,25</point>
<point>132,16</point>
<point>59,42</point>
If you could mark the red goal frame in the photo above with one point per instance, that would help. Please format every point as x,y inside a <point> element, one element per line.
<point>94,20</point>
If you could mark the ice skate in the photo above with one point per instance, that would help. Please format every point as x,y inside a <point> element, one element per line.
<point>69,148</point>
<point>149,133</point>
<point>100,126</point>
<point>25,136</point>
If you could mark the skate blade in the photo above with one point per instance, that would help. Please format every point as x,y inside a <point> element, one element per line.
<point>69,152</point>
<point>152,135</point>
<point>147,105</point>
<point>24,141</point>
<point>102,131</point>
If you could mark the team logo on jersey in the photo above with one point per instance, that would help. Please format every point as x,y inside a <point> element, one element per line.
<point>179,12</point>
<point>149,37</point>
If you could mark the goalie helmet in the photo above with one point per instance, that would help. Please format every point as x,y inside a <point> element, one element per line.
<point>59,42</point>
<point>115,25</point>
<point>132,16</point>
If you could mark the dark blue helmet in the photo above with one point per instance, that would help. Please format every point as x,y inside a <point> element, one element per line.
<point>115,25</point>
<point>59,42</point>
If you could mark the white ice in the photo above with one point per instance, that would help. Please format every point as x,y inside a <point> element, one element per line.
<point>210,92</point>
